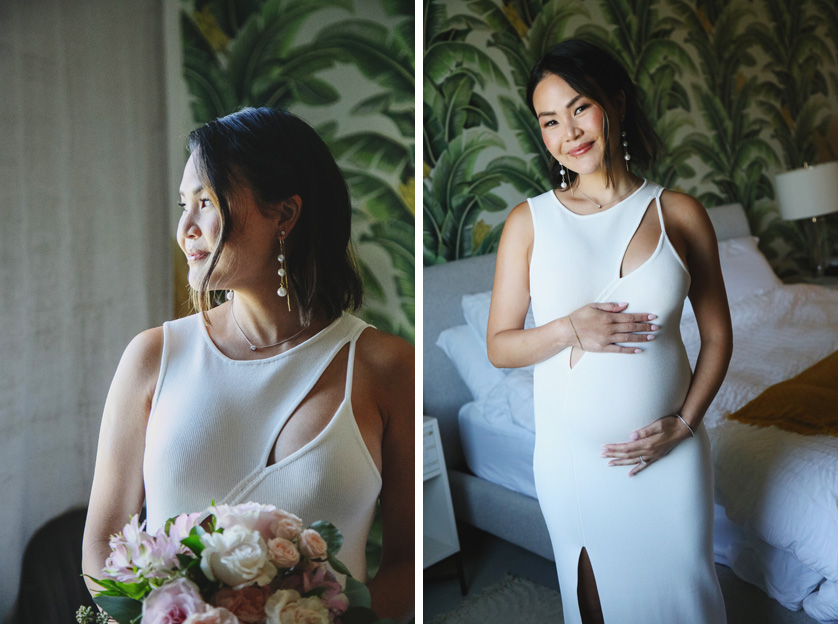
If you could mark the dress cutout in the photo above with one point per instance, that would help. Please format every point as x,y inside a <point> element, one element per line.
<point>214,422</point>
<point>649,538</point>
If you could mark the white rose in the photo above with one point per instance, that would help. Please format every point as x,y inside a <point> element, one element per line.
<point>287,607</point>
<point>237,557</point>
<point>279,601</point>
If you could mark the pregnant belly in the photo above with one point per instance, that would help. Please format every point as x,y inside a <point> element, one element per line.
<point>606,396</point>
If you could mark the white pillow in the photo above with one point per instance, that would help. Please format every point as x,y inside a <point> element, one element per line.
<point>745,271</point>
<point>470,359</point>
<point>512,399</point>
<point>476,313</point>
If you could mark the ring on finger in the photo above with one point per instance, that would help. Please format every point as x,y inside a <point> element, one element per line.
<point>642,461</point>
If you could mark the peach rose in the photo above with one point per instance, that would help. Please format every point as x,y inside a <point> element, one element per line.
<point>247,604</point>
<point>283,553</point>
<point>286,525</point>
<point>312,545</point>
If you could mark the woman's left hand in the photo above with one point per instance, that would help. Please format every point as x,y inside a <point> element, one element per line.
<point>648,444</point>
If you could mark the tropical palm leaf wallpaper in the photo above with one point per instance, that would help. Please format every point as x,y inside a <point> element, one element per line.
<point>347,67</point>
<point>739,90</point>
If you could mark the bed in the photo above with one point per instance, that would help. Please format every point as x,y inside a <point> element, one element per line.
<point>776,491</point>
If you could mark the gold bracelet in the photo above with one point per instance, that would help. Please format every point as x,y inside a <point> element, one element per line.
<point>574,331</point>
<point>686,424</point>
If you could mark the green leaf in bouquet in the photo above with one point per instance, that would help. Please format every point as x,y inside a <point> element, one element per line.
<point>122,609</point>
<point>338,565</point>
<point>330,533</point>
<point>357,593</point>
<point>111,587</point>
<point>193,541</point>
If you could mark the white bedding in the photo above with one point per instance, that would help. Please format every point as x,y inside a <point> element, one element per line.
<point>776,492</point>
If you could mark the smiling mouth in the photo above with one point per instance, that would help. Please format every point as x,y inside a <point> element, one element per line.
<point>195,256</point>
<point>580,150</point>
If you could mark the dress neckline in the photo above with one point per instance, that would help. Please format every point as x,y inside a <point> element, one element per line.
<point>308,341</point>
<point>598,212</point>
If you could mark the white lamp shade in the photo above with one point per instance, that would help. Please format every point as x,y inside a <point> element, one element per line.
<point>805,193</point>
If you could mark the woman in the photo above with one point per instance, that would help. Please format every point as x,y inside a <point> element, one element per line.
<point>277,395</point>
<point>607,260</point>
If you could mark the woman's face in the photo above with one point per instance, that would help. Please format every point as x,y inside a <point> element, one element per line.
<point>571,125</point>
<point>249,255</point>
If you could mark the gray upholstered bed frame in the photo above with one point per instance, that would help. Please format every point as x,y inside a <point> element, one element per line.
<point>509,515</point>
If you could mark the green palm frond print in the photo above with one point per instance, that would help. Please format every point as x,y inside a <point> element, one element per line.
<point>347,67</point>
<point>738,90</point>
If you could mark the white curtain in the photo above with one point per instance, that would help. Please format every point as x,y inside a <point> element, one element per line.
<point>85,241</point>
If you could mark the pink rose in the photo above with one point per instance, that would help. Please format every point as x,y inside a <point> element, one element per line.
<point>322,579</point>
<point>213,615</point>
<point>286,525</point>
<point>173,603</point>
<point>312,545</point>
<point>247,604</point>
<point>283,553</point>
<point>252,516</point>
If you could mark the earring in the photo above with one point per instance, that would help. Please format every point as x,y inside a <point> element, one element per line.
<point>626,155</point>
<point>562,173</point>
<point>282,291</point>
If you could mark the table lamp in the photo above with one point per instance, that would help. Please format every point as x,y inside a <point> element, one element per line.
<point>810,193</point>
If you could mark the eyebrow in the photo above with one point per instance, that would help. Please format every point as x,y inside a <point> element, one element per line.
<point>568,105</point>
<point>195,191</point>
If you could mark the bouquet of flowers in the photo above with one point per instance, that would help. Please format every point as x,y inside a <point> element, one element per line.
<point>244,564</point>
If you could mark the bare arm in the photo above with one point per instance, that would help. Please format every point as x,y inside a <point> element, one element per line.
<point>598,326</point>
<point>117,491</point>
<point>391,367</point>
<point>712,313</point>
<point>692,232</point>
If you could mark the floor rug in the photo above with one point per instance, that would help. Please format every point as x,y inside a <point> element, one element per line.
<point>513,599</point>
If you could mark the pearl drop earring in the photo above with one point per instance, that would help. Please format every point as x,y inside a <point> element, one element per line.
<point>562,173</point>
<point>282,291</point>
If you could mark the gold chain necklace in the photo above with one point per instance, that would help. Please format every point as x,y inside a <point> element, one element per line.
<point>253,347</point>
<point>613,201</point>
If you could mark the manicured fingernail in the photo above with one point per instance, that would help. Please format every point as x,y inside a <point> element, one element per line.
<point>622,303</point>
<point>653,317</point>
<point>654,327</point>
<point>604,454</point>
<point>650,336</point>
<point>634,436</point>
<point>638,350</point>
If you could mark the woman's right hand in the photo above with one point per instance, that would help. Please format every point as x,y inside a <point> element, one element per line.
<point>600,326</point>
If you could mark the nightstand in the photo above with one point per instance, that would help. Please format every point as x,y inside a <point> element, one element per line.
<point>439,526</point>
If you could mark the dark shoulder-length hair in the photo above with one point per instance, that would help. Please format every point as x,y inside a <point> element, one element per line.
<point>277,155</point>
<point>595,74</point>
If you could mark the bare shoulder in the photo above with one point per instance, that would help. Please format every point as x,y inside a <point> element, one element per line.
<point>139,366</point>
<point>683,210</point>
<point>519,219</point>
<point>386,365</point>
<point>687,219</point>
<point>384,355</point>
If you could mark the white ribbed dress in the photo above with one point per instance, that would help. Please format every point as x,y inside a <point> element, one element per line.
<point>214,422</point>
<point>649,537</point>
